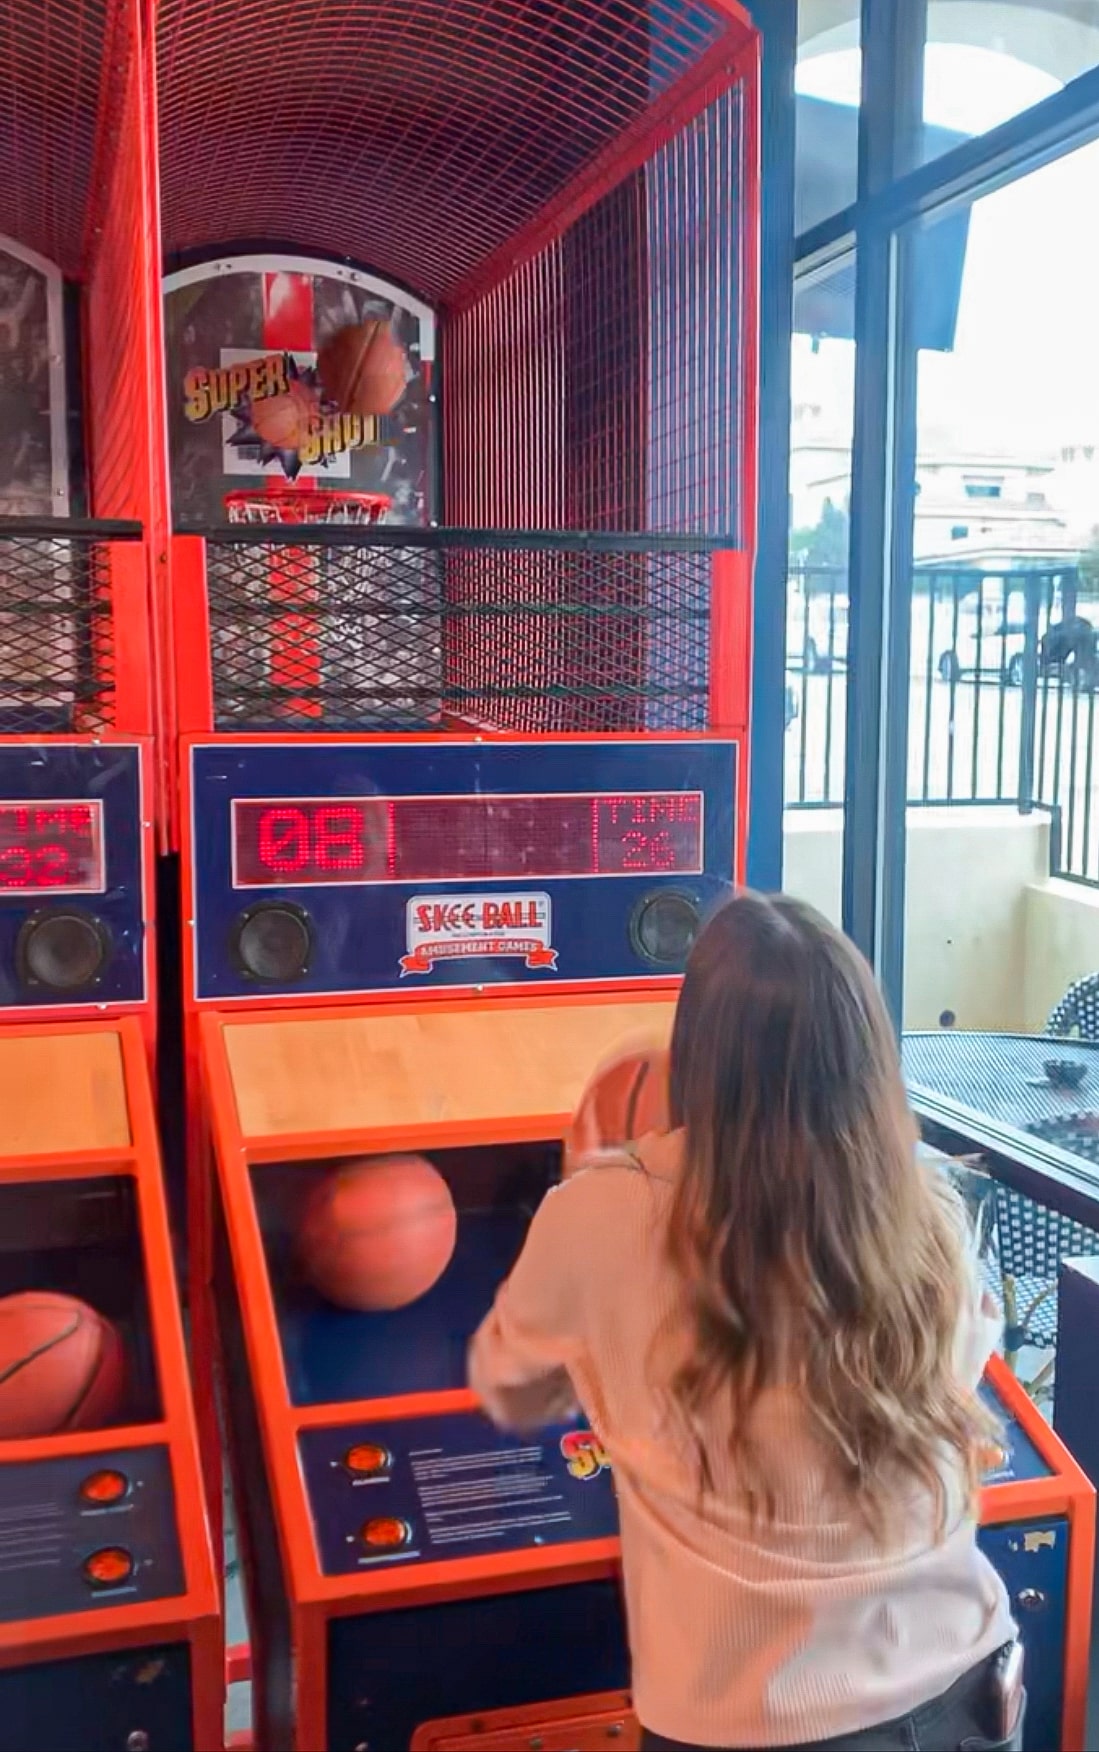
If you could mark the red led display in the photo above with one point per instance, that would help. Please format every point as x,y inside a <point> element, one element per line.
<point>461,839</point>
<point>51,846</point>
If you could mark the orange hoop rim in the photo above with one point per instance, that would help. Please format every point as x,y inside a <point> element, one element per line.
<point>287,504</point>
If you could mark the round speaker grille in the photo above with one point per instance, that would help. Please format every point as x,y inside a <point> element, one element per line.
<point>63,950</point>
<point>273,943</point>
<point>664,926</point>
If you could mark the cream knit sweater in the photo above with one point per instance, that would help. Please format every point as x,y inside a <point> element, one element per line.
<point>742,1633</point>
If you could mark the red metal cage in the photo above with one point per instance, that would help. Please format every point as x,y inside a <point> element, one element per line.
<point>77,189</point>
<point>574,189</point>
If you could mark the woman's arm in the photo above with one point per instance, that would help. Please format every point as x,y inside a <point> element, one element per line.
<point>520,1356</point>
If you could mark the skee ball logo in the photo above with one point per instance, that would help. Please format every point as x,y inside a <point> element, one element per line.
<point>278,405</point>
<point>459,926</point>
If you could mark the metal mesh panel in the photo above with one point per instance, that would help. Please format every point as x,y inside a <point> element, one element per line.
<point>458,121</point>
<point>407,630</point>
<point>1002,1075</point>
<point>52,64</point>
<point>603,385</point>
<point>57,659</point>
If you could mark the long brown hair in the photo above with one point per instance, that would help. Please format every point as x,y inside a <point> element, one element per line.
<point>815,1250</point>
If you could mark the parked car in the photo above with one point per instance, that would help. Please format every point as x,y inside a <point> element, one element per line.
<point>816,632</point>
<point>985,642</point>
<point>1067,646</point>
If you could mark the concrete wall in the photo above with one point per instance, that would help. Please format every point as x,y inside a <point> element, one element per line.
<point>1062,939</point>
<point>991,939</point>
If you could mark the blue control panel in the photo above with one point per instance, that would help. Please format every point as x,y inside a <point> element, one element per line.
<point>375,866</point>
<point>87,1532</point>
<point>451,1485</point>
<point>423,1489</point>
<point>71,905</point>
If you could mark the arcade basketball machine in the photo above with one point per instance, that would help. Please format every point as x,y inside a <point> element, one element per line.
<point>462,693</point>
<point>109,1628</point>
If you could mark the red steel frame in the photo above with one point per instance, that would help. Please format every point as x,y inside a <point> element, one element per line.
<point>123,375</point>
<point>315,1598</point>
<point>194,1615</point>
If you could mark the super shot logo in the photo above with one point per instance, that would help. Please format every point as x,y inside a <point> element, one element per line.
<point>279,409</point>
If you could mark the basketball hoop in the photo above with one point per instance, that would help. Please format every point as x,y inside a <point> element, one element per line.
<point>279,504</point>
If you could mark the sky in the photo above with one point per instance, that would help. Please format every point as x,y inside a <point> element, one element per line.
<point>1023,377</point>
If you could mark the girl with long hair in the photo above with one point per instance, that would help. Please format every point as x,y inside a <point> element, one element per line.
<point>771,1318</point>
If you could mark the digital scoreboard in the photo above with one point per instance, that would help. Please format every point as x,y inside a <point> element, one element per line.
<point>338,867</point>
<point>441,839</point>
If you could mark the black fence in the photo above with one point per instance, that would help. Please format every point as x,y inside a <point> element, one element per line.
<point>1004,688</point>
<point>323,627</point>
<point>57,625</point>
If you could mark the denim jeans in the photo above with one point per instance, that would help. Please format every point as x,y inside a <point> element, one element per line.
<point>963,1719</point>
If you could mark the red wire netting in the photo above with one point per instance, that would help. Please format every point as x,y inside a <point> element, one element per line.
<point>57,68</point>
<point>417,136</point>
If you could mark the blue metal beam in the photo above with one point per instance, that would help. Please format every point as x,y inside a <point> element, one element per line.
<point>777,20</point>
<point>882,491</point>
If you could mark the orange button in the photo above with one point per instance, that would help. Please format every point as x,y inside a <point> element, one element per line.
<point>108,1568</point>
<point>105,1487</point>
<point>367,1457</point>
<point>385,1532</point>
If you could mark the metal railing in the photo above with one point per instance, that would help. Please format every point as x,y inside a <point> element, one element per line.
<point>1004,689</point>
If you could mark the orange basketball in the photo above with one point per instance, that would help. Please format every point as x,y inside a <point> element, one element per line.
<point>363,368</point>
<point>378,1233</point>
<point>62,1366</point>
<point>624,1101</point>
<point>284,421</point>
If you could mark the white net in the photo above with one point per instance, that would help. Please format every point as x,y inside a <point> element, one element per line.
<point>271,506</point>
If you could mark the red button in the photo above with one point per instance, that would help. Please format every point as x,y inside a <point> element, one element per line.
<point>367,1457</point>
<point>386,1532</point>
<point>107,1486</point>
<point>108,1568</point>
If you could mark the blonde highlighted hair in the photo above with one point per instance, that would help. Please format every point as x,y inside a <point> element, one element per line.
<point>815,1250</point>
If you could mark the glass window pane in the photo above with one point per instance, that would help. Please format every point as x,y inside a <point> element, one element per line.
<point>1003,776</point>
<point>829,72</point>
<point>822,414</point>
<point>988,60</point>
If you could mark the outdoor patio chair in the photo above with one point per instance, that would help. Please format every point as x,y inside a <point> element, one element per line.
<point>1029,1243</point>
<point>1020,1246</point>
<point>1078,1010</point>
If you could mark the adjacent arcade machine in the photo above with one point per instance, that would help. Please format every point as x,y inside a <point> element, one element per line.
<point>109,1628</point>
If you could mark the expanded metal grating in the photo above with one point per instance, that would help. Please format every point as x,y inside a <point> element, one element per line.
<point>414,630</point>
<point>417,135</point>
<point>57,647</point>
<point>1002,1075</point>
